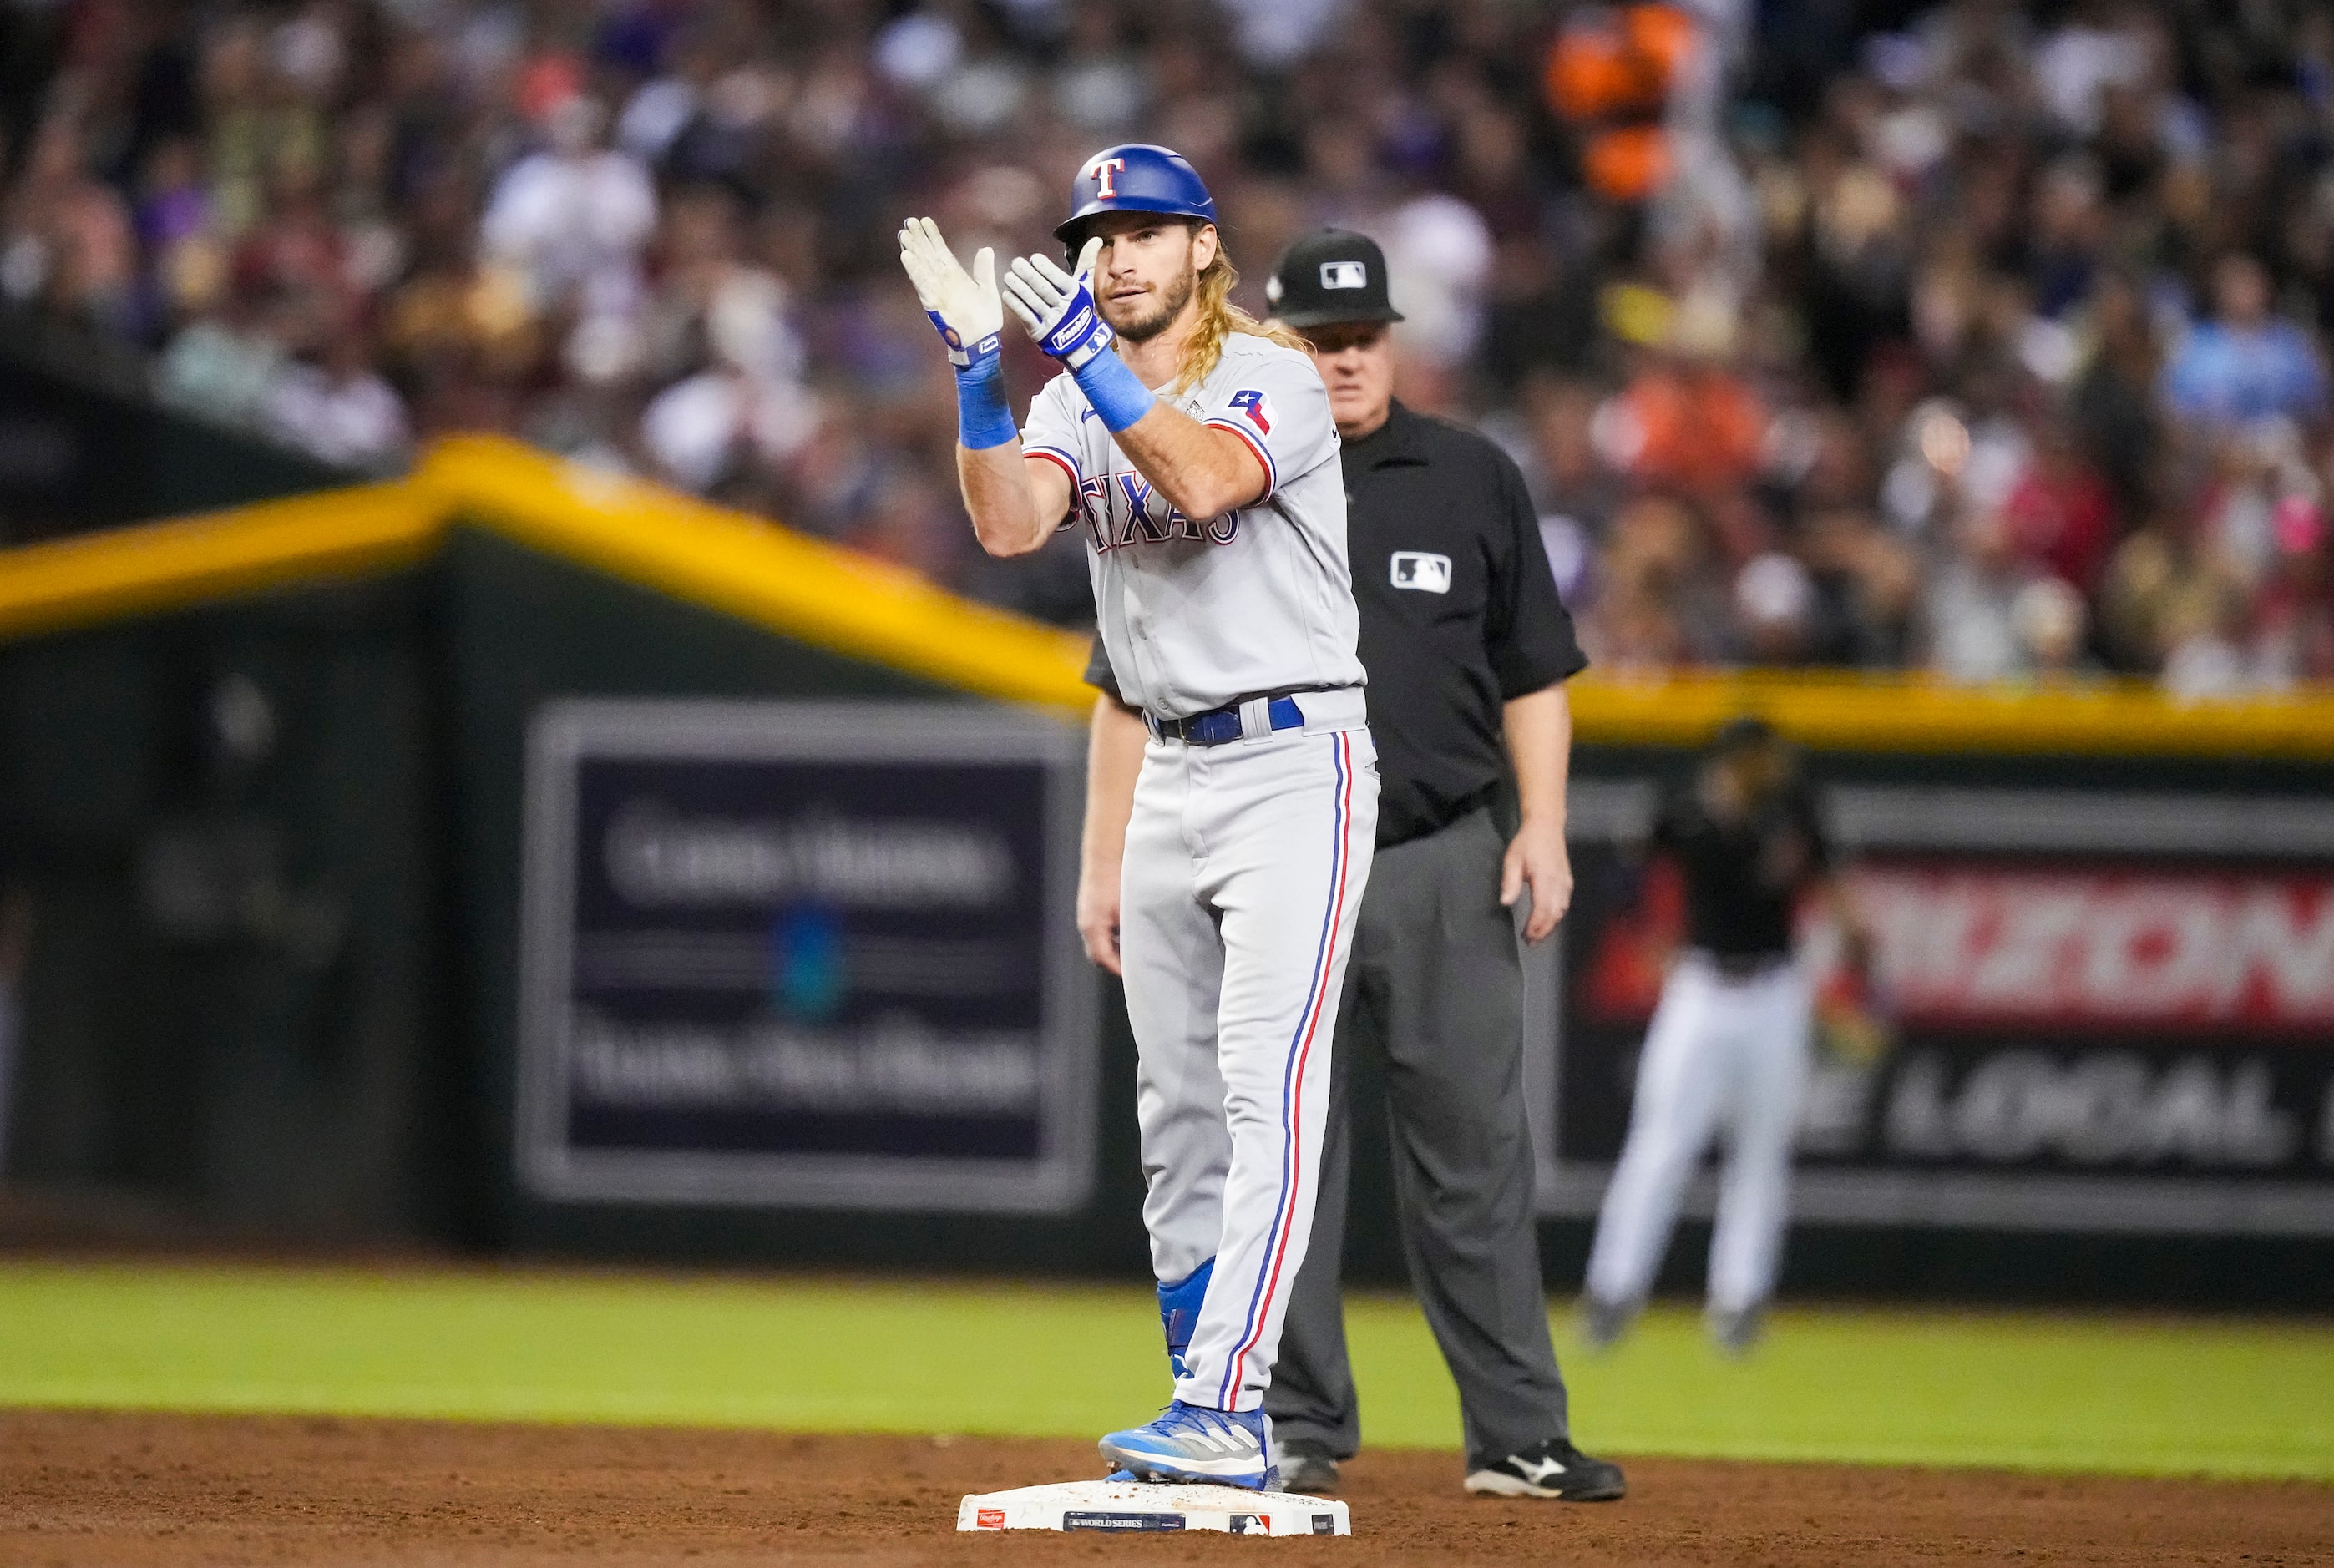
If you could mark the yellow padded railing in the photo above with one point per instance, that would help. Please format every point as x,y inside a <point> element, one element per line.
<point>91,578</point>
<point>755,570</point>
<point>819,593</point>
<point>1914,712</point>
<point>744,567</point>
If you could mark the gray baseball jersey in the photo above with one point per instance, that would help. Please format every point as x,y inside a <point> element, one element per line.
<point>1200,613</point>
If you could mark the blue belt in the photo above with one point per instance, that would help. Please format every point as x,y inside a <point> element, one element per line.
<point>1220,725</point>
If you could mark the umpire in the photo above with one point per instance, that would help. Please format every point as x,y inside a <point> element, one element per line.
<point>1468,648</point>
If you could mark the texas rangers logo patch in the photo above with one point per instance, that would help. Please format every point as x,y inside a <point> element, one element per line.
<point>1258,408</point>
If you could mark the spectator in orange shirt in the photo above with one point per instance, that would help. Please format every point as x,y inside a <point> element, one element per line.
<point>1687,422</point>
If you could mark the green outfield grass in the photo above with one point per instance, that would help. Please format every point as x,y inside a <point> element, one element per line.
<point>2107,1393</point>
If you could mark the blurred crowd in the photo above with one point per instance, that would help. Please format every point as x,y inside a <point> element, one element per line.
<point>1984,338</point>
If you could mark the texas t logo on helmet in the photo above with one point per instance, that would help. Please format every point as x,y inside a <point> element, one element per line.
<point>1135,177</point>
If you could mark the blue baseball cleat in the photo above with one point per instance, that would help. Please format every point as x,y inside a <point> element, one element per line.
<point>1194,1443</point>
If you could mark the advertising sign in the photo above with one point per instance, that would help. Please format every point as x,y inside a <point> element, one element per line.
<point>804,954</point>
<point>2101,1013</point>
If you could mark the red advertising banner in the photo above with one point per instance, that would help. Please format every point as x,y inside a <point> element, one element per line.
<point>2075,947</point>
<point>2090,947</point>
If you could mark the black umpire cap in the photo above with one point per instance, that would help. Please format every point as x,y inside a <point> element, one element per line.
<point>1330,277</point>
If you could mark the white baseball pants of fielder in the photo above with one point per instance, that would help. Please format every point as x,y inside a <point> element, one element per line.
<point>1244,870</point>
<point>1722,1054</point>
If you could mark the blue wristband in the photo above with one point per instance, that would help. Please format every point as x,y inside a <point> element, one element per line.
<point>983,417</point>
<point>1113,392</point>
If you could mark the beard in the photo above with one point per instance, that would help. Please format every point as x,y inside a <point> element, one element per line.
<point>1172,300</point>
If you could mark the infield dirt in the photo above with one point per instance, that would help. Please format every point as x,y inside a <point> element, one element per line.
<point>131,1490</point>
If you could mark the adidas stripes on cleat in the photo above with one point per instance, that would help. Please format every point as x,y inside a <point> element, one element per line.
<point>1194,1443</point>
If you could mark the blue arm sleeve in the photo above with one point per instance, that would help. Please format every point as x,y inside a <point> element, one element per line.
<point>983,417</point>
<point>1113,392</point>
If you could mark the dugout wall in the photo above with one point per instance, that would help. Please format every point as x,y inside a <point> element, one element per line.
<point>624,877</point>
<point>85,445</point>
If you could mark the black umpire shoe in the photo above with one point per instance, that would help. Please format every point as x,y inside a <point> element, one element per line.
<point>1553,1470</point>
<point>1304,1466</point>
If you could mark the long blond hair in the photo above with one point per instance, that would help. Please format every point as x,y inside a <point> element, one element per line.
<point>1220,318</point>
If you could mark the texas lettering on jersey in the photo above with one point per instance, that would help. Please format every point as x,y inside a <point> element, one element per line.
<point>1196,612</point>
<point>1121,508</point>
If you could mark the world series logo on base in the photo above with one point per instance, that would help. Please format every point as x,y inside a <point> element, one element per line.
<point>1143,1507</point>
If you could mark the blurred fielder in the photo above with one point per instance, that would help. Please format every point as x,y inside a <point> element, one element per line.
<point>1195,447</point>
<point>1727,1051</point>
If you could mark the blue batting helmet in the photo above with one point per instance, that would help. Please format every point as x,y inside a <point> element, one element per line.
<point>1136,177</point>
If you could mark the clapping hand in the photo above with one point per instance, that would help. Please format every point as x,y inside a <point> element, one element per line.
<point>1058,307</point>
<point>964,306</point>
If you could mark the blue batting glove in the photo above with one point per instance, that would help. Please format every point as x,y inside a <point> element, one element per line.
<point>1058,307</point>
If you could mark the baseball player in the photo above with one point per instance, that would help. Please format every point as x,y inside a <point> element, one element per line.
<point>1194,447</point>
<point>1468,647</point>
<point>1728,1046</point>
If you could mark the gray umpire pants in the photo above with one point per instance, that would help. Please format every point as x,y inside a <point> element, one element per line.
<point>1436,986</point>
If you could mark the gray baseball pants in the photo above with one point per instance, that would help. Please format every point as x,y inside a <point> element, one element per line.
<point>1244,873</point>
<point>1436,988</point>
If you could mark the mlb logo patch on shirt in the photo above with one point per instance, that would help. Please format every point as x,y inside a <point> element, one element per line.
<point>1420,569</point>
<point>1345,274</point>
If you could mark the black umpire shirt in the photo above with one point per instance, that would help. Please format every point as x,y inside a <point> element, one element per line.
<point>1742,879</point>
<point>1459,613</point>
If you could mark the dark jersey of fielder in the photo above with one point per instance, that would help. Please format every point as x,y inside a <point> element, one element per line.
<point>1743,878</point>
<point>1459,612</point>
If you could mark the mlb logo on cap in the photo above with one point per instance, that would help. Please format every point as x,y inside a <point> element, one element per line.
<point>1331,275</point>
